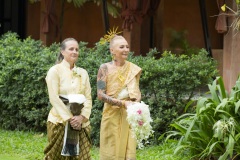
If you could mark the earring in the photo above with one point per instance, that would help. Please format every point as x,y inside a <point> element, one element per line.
<point>113,57</point>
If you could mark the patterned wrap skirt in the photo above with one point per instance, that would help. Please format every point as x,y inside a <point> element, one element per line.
<point>55,143</point>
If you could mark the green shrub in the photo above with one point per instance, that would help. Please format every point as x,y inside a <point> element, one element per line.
<point>23,95</point>
<point>213,131</point>
<point>166,83</point>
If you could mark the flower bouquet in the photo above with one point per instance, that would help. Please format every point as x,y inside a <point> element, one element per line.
<point>138,116</point>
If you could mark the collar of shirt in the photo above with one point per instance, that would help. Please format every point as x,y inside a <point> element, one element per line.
<point>66,64</point>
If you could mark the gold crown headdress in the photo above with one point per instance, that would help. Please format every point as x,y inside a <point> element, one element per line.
<point>110,34</point>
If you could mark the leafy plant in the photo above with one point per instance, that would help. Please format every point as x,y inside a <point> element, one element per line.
<point>213,131</point>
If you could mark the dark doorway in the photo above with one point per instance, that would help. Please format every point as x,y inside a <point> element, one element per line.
<point>12,17</point>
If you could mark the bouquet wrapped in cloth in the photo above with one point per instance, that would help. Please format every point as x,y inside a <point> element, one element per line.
<point>71,137</point>
<point>138,116</point>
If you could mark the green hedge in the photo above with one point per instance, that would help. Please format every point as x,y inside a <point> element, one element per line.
<point>23,95</point>
<point>166,83</point>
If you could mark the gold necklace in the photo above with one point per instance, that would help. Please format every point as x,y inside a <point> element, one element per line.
<point>121,74</point>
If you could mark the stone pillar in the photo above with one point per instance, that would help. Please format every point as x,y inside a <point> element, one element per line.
<point>231,55</point>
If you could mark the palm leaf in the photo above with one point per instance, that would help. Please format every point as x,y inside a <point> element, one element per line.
<point>213,91</point>
<point>200,139</point>
<point>78,3</point>
<point>210,149</point>
<point>231,142</point>
<point>179,127</point>
<point>237,105</point>
<point>171,134</point>
<point>201,105</point>
<point>190,128</point>
<point>221,88</point>
<point>209,108</point>
<point>220,114</point>
<point>224,156</point>
<point>112,10</point>
<point>237,137</point>
<point>221,105</point>
<point>188,104</point>
<point>181,147</point>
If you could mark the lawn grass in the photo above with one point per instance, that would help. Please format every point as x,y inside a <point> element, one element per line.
<point>18,145</point>
<point>22,145</point>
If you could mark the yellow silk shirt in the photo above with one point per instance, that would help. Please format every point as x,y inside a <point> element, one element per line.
<point>61,80</point>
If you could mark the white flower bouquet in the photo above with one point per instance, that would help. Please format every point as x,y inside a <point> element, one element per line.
<point>138,116</point>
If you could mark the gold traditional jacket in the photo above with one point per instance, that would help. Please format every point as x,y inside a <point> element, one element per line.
<point>114,86</point>
<point>61,80</point>
<point>116,142</point>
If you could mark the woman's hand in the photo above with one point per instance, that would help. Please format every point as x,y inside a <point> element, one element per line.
<point>128,103</point>
<point>76,122</point>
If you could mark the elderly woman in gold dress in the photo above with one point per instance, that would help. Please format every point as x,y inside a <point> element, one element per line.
<point>68,133</point>
<point>118,88</point>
